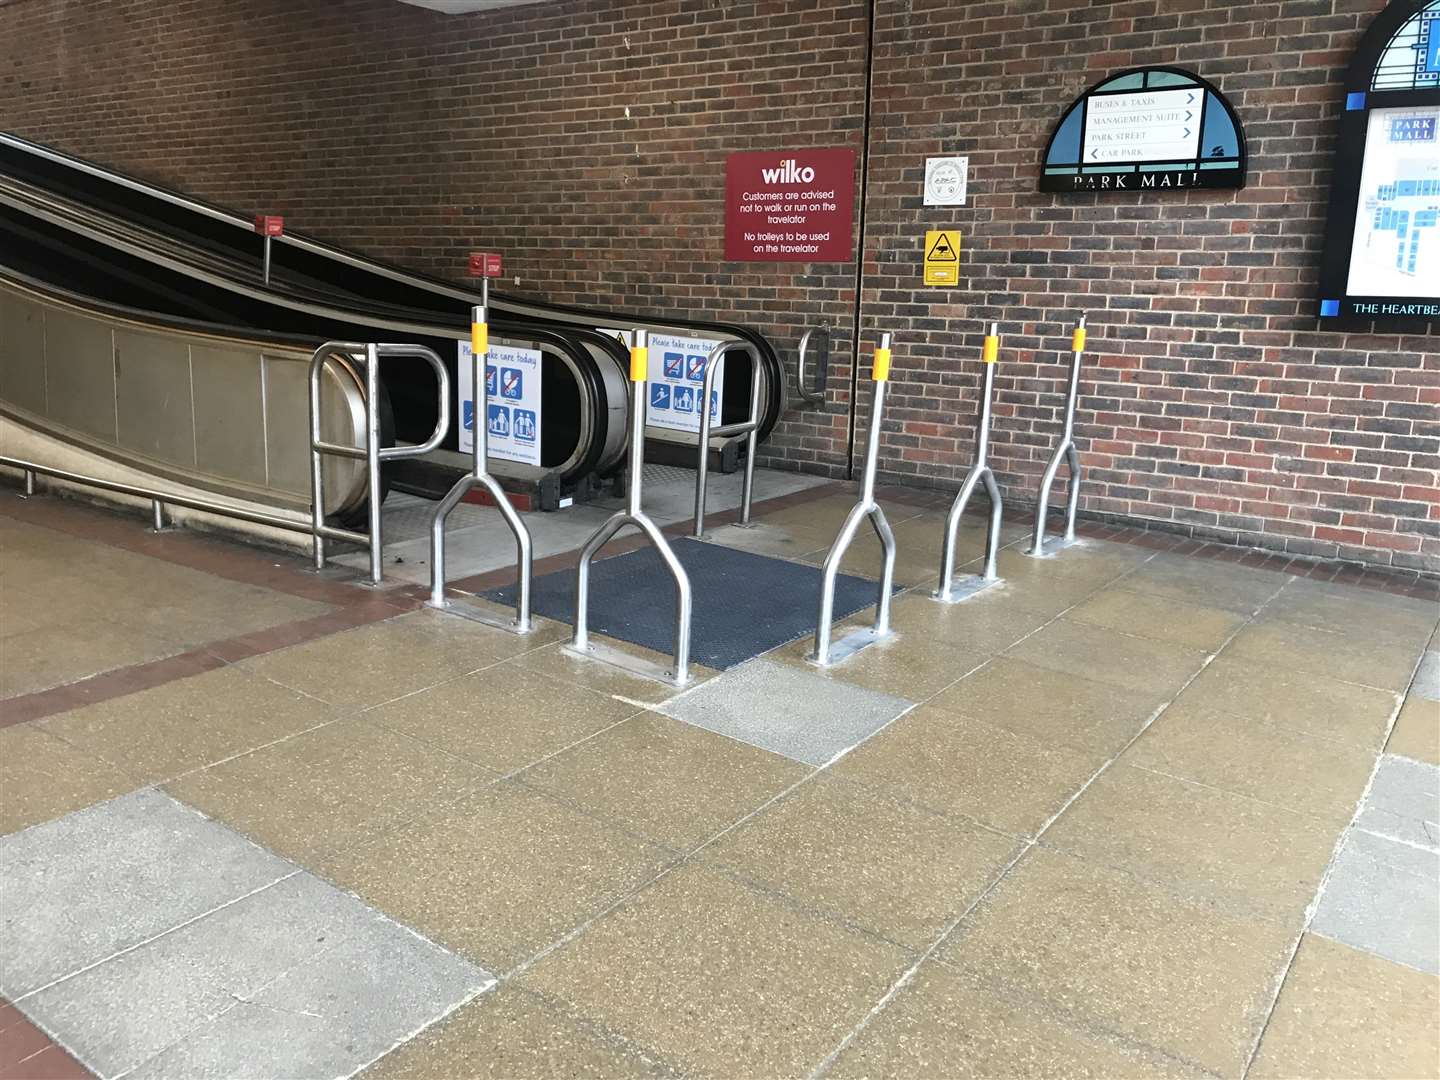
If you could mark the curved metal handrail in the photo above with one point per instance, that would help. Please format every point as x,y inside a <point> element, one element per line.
<point>750,428</point>
<point>811,397</point>
<point>372,452</point>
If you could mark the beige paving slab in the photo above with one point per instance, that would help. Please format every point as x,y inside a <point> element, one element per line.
<point>893,868</point>
<point>1052,706</point>
<point>670,781</point>
<point>43,777</point>
<point>1417,731</point>
<point>159,733</point>
<point>1343,1012</point>
<point>827,514</point>
<point>720,979</point>
<point>511,1035</point>
<point>762,537</point>
<point>1063,581</point>
<point>503,717</point>
<point>1255,758</point>
<point>949,1024</point>
<point>956,765</point>
<point>1301,701</point>
<point>498,874</point>
<point>54,655</point>
<point>1353,610</point>
<point>1094,652</point>
<point>1141,615</point>
<point>197,607</point>
<point>981,624</point>
<point>909,665</point>
<point>329,789</point>
<point>1251,857</point>
<point>555,662</point>
<point>1208,582</point>
<point>386,660</point>
<point>1292,647</point>
<point>1127,956</point>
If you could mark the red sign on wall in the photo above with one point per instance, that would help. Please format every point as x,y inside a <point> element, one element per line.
<point>790,206</point>
<point>484,264</point>
<point>269,225</point>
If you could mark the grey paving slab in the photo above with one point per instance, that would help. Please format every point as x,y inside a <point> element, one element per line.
<point>1383,896</point>
<point>786,710</point>
<point>1404,801</point>
<point>1427,677</point>
<point>298,980</point>
<point>85,886</point>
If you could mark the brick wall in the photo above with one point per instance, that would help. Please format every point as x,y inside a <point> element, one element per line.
<point>587,138</point>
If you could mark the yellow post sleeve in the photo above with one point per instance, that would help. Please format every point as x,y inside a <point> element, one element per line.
<point>991,352</point>
<point>479,338</point>
<point>639,363</point>
<point>1077,340</point>
<point>881,369</point>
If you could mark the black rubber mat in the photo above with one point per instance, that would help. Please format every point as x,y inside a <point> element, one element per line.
<point>745,604</point>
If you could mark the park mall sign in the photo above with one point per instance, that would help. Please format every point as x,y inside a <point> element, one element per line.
<point>1150,129</point>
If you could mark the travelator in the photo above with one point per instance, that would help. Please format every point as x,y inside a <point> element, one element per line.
<point>223,241</point>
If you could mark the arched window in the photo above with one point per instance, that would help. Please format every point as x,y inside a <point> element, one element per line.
<point>1129,131</point>
<point>1382,243</point>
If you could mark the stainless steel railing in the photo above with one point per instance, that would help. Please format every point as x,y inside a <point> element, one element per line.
<point>1064,449</point>
<point>824,654</point>
<point>372,453</point>
<point>749,428</point>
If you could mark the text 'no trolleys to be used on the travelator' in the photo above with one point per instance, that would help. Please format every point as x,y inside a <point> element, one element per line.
<point>476,356</point>
<point>824,653</point>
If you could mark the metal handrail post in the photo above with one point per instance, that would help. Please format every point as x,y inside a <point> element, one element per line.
<point>824,653</point>
<point>29,482</point>
<point>480,474</point>
<point>749,428</point>
<point>807,395</point>
<point>980,472</point>
<point>372,453</point>
<point>679,672</point>
<point>1064,450</point>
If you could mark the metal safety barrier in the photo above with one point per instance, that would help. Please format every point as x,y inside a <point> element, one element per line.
<point>749,428</point>
<point>678,674</point>
<point>159,500</point>
<point>811,397</point>
<point>480,475</point>
<point>950,591</point>
<point>1064,449</point>
<point>824,653</point>
<point>372,453</point>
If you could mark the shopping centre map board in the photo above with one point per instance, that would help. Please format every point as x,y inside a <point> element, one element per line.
<point>1382,241</point>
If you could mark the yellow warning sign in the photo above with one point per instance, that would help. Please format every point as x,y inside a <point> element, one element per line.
<point>942,257</point>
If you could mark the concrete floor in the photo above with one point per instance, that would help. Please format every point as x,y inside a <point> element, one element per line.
<point>1141,810</point>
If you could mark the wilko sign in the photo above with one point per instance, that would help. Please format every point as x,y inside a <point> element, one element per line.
<point>484,264</point>
<point>269,225</point>
<point>790,206</point>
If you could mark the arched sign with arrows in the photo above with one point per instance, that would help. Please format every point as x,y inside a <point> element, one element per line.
<point>1147,129</point>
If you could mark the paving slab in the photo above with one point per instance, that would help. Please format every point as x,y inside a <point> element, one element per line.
<point>1427,677</point>
<point>1383,896</point>
<point>80,889</point>
<point>801,715</point>
<point>1404,802</point>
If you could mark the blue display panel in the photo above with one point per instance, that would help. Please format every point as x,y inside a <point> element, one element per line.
<point>1382,245</point>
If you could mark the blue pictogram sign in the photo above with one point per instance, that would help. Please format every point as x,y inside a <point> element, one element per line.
<point>524,425</point>
<point>510,384</point>
<point>674,365</point>
<point>499,420</point>
<point>491,386</point>
<point>467,415</point>
<point>695,368</point>
<point>714,404</point>
<point>684,399</point>
<point>659,396</point>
